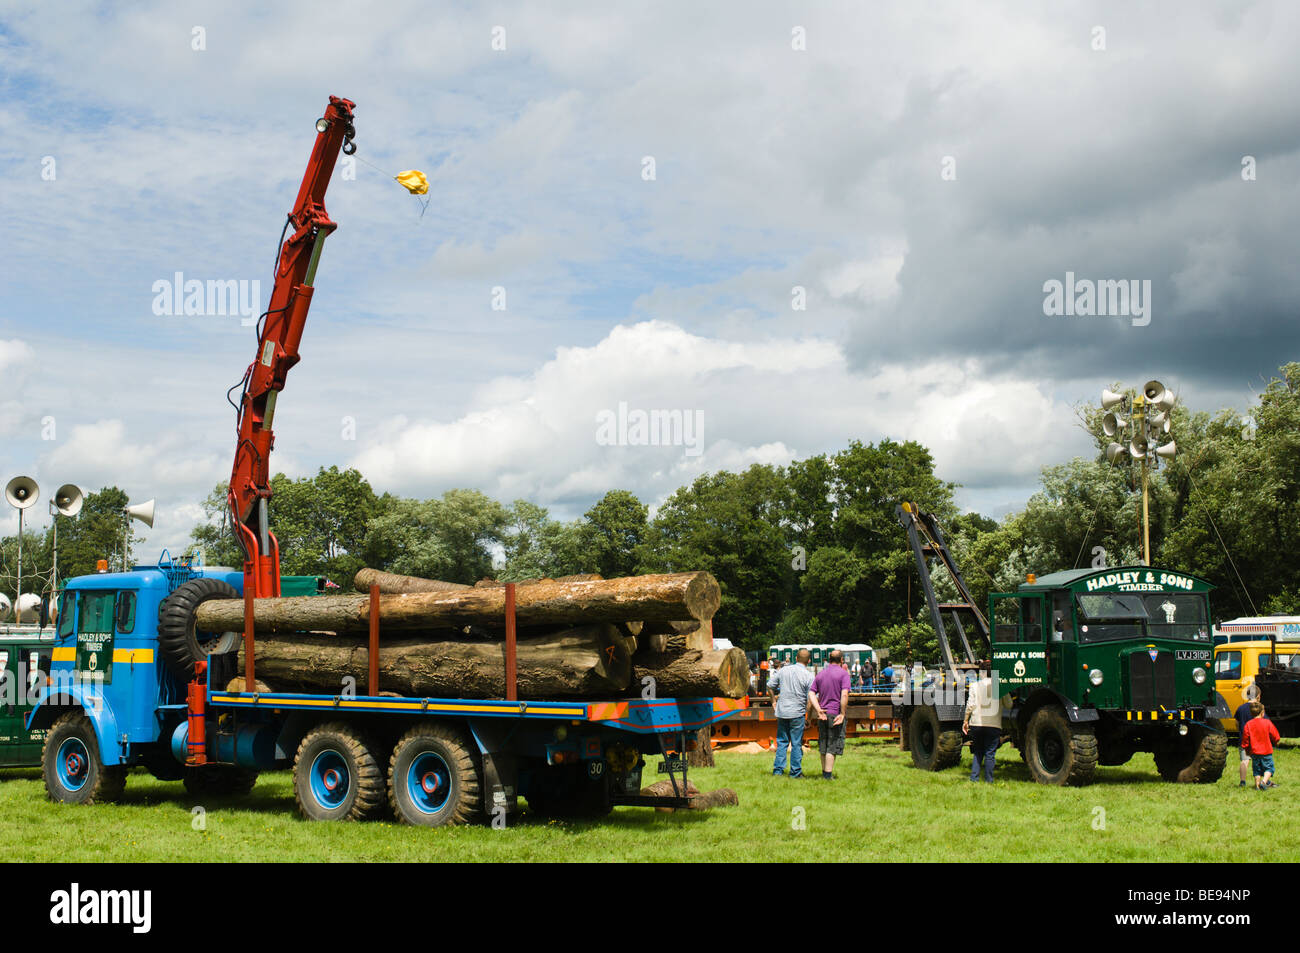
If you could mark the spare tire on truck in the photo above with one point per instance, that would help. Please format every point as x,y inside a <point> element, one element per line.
<point>178,642</point>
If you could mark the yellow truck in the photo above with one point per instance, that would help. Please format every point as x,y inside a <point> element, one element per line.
<point>1237,665</point>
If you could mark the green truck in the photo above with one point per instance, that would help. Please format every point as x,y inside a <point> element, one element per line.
<point>1091,665</point>
<point>25,655</point>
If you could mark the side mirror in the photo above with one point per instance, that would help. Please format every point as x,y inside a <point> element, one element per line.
<point>45,611</point>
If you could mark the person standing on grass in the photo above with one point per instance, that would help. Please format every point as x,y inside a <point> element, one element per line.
<point>830,701</point>
<point>1242,715</point>
<point>1259,735</point>
<point>983,723</point>
<point>788,687</point>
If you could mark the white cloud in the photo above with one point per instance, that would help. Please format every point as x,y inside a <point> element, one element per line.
<point>767,401</point>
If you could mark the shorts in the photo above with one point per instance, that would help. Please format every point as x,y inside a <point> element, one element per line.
<point>1262,764</point>
<point>1245,755</point>
<point>830,736</point>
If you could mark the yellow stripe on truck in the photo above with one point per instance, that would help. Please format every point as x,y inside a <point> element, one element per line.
<point>129,656</point>
<point>64,654</point>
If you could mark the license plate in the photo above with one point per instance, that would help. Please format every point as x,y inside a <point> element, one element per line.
<point>672,764</point>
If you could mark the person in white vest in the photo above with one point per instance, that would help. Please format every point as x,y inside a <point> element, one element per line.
<point>983,723</point>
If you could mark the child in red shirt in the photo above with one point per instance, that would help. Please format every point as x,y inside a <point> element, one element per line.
<point>1258,737</point>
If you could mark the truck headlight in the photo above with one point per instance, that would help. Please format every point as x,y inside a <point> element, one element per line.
<point>1198,675</point>
<point>1095,676</point>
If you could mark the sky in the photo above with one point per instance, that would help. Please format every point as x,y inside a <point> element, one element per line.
<point>790,225</point>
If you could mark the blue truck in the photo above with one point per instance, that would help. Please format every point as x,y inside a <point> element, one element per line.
<point>121,694</point>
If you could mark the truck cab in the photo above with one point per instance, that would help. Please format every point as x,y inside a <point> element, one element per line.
<point>1236,667</point>
<point>108,663</point>
<point>1122,658</point>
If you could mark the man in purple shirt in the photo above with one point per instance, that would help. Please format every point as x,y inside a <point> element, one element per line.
<point>830,699</point>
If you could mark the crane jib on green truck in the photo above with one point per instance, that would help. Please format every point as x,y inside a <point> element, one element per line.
<point>1091,666</point>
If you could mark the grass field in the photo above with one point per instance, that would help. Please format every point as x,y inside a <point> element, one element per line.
<point>878,808</point>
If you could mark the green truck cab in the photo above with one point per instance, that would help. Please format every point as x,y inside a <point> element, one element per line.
<point>1095,665</point>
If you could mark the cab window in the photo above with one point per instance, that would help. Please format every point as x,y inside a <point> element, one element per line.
<point>66,614</point>
<point>124,614</point>
<point>96,611</point>
<point>1227,665</point>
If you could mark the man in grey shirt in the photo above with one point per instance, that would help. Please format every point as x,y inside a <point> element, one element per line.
<point>789,691</point>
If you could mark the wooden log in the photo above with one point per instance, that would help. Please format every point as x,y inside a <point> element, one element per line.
<point>655,642</point>
<point>576,577</point>
<point>391,582</point>
<point>586,661</point>
<point>657,597</point>
<point>699,639</point>
<point>721,673</point>
<point>699,800</point>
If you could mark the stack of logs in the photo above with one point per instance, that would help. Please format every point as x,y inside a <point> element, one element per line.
<point>577,637</point>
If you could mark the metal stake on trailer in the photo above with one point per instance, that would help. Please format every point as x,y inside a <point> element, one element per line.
<point>512,693</point>
<point>372,683</point>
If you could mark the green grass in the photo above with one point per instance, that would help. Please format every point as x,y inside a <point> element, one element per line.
<point>879,808</point>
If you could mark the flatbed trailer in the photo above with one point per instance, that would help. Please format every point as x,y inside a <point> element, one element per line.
<point>564,757</point>
<point>870,715</point>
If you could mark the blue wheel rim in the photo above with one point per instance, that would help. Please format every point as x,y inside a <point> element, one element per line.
<point>428,781</point>
<point>73,764</point>
<point>330,780</point>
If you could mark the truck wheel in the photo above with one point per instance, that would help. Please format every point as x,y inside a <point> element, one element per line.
<point>74,773</point>
<point>434,778</point>
<point>336,776</point>
<point>1197,758</point>
<point>218,780</point>
<point>1058,752</point>
<point>178,642</point>
<point>933,747</point>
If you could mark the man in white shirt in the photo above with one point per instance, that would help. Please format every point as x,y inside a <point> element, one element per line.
<point>983,723</point>
<point>789,691</point>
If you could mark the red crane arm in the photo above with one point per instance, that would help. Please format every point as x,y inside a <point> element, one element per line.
<point>277,351</point>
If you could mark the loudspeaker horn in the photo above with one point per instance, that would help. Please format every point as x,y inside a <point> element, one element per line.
<point>1137,449</point>
<point>1114,452</point>
<point>1154,391</point>
<point>1109,399</point>
<point>1167,401</point>
<point>68,499</point>
<point>1112,423</point>
<point>1167,451</point>
<point>22,492</point>
<point>142,512</point>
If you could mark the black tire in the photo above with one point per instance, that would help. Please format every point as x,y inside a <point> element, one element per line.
<point>70,761</point>
<point>934,747</point>
<point>568,791</point>
<point>1058,752</point>
<point>1197,758</point>
<point>218,780</point>
<point>434,778</point>
<point>336,776</point>
<point>178,642</point>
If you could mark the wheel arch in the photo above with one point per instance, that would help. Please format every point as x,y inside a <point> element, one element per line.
<point>1043,697</point>
<point>75,698</point>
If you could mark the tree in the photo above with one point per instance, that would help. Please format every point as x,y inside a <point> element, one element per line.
<point>451,538</point>
<point>732,526</point>
<point>612,531</point>
<point>538,547</point>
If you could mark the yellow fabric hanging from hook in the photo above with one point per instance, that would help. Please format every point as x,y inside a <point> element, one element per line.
<point>413,181</point>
